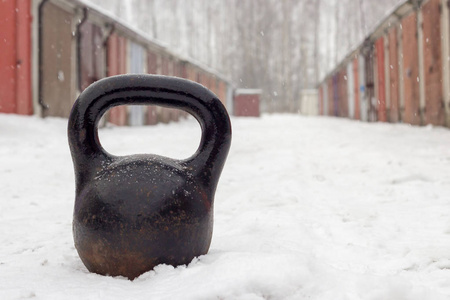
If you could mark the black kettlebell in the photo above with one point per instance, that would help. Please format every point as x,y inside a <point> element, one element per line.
<point>135,212</point>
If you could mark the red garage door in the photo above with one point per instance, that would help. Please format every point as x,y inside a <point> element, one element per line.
<point>15,64</point>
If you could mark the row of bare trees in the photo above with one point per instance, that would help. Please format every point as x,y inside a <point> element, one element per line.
<point>279,46</point>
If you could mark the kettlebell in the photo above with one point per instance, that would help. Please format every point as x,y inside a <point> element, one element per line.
<point>134,212</point>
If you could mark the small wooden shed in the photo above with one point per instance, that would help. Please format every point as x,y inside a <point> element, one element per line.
<point>246,102</point>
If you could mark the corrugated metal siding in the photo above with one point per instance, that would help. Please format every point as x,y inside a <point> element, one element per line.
<point>411,69</point>
<point>435,112</point>
<point>58,90</point>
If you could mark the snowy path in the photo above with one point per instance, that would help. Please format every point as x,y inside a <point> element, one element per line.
<point>307,208</point>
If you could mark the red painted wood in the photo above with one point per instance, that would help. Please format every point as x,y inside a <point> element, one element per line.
<point>8,56</point>
<point>116,66</point>
<point>23,58</point>
<point>342,88</point>
<point>246,105</point>
<point>330,97</point>
<point>411,69</point>
<point>382,117</point>
<point>394,110</point>
<point>434,100</point>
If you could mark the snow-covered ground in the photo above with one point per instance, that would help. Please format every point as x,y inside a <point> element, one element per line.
<point>306,208</point>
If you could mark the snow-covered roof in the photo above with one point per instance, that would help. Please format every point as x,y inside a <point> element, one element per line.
<point>120,24</point>
<point>143,37</point>
<point>248,91</point>
<point>396,13</point>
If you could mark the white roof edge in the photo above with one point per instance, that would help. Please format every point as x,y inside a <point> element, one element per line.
<point>248,91</point>
<point>153,42</point>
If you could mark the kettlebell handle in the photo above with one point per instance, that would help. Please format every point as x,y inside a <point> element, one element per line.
<point>88,154</point>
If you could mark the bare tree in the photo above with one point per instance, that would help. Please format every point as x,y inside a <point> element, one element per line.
<point>281,47</point>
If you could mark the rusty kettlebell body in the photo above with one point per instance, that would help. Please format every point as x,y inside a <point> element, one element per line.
<point>135,212</point>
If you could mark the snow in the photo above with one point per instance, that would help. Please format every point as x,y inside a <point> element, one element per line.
<point>306,208</point>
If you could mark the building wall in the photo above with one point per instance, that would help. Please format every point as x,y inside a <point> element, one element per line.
<point>350,90</point>
<point>116,65</point>
<point>362,87</point>
<point>445,48</point>
<point>246,105</point>
<point>356,89</point>
<point>394,68</point>
<point>403,72</point>
<point>58,90</point>
<point>370,84</point>
<point>153,67</point>
<point>411,80</point>
<point>434,101</point>
<point>309,103</point>
<point>138,62</point>
<point>52,50</point>
<point>343,102</point>
<point>335,93</point>
<point>92,57</point>
<point>325,98</point>
<point>380,64</point>
<point>15,63</point>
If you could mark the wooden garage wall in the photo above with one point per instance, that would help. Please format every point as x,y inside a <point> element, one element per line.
<point>57,86</point>
<point>369,76</point>
<point>116,65</point>
<point>325,98</point>
<point>356,88</point>
<point>381,90</point>
<point>153,66</point>
<point>92,55</point>
<point>411,80</point>
<point>15,62</point>
<point>434,100</point>
<point>350,90</point>
<point>394,109</point>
